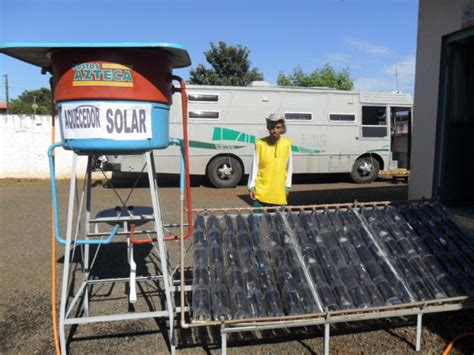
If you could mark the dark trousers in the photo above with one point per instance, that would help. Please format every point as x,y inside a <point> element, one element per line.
<point>257,203</point>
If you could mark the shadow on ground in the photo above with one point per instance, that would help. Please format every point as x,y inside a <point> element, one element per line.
<point>329,196</point>
<point>123,180</point>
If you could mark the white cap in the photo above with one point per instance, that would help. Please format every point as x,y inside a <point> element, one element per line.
<point>275,117</point>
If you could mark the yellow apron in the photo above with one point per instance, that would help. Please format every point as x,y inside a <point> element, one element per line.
<point>270,185</point>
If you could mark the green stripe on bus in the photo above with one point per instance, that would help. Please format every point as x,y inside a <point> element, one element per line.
<point>206,145</point>
<point>226,134</point>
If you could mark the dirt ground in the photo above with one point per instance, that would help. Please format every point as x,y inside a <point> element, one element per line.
<point>25,261</point>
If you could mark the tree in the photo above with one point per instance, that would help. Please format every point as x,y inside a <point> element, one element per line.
<point>326,76</point>
<point>230,66</point>
<point>25,103</point>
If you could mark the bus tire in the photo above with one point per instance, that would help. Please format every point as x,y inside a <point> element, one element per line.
<point>224,172</point>
<point>365,170</point>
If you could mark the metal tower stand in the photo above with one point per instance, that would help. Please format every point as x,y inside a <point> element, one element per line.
<point>122,220</point>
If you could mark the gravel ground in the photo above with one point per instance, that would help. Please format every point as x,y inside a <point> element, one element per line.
<point>25,325</point>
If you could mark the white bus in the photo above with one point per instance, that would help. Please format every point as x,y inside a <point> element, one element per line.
<point>332,131</point>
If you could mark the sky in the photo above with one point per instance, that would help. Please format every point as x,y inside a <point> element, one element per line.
<point>372,38</point>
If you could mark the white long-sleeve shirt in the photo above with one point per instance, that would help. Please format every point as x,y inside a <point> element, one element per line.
<point>254,171</point>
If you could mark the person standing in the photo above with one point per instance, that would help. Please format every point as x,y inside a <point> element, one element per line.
<point>272,167</point>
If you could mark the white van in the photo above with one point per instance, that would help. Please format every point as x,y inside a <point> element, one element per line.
<point>332,131</point>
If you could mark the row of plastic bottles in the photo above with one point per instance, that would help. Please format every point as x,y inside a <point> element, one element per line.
<point>456,264</point>
<point>414,253</point>
<point>331,260</point>
<point>296,293</point>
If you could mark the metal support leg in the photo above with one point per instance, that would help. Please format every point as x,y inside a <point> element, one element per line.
<point>327,327</point>
<point>223,341</point>
<point>87,230</point>
<point>133,272</point>
<point>418,332</point>
<point>67,254</point>
<point>160,237</point>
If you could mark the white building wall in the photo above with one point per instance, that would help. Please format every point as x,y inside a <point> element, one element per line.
<point>436,18</point>
<point>24,143</point>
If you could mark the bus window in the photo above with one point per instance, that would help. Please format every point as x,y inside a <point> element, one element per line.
<point>203,97</point>
<point>342,117</point>
<point>298,116</point>
<point>204,115</point>
<point>374,121</point>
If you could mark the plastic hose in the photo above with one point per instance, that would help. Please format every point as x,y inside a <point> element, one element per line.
<point>53,250</point>
<point>451,344</point>
<point>59,237</point>
<point>189,205</point>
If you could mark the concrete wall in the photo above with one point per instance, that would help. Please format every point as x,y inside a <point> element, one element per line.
<point>24,142</point>
<point>436,18</point>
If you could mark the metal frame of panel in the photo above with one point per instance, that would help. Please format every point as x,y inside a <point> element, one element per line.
<point>325,318</point>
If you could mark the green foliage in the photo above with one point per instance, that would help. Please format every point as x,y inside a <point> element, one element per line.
<point>326,76</point>
<point>230,66</point>
<point>24,103</point>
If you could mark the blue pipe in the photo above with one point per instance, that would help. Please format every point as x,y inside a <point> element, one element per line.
<point>175,141</point>
<point>59,238</point>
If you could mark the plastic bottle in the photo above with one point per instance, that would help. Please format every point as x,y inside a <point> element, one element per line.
<point>387,292</point>
<point>200,256</point>
<point>216,255</point>
<point>199,238</point>
<point>232,257</point>
<point>329,239</point>
<point>240,307</point>
<point>273,302</point>
<point>376,299</point>
<point>235,278</point>
<point>229,239</point>
<point>256,303</point>
<point>350,253</point>
<point>364,253</point>
<point>374,271</point>
<point>217,273</point>
<point>265,278</point>
<point>291,300</point>
<point>337,257</point>
<point>241,224</point>
<point>326,296</point>
<point>322,254</point>
<point>277,256</point>
<point>256,240</point>
<point>359,297</point>
<point>348,277</point>
<point>317,274</point>
<point>306,298</point>
<point>214,236</point>
<point>201,303</point>
<point>261,258</point>
<point>200,276</point>
<point>212,222</point>
<point>343,297</point>
<point>336,220</point>
<point>221,302</point>
<point>292,255</point>
<point>199,222</point>
<point>308,255</point>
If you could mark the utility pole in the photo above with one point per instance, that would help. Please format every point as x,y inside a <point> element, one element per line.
<point>34,106</point>
<point>6,92</point>
<point>396,74</point>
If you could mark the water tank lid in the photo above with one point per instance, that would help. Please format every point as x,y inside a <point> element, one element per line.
<point>38,53</point>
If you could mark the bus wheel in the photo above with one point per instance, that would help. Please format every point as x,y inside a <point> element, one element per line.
<point>224,172</point>
<point>365,170</point>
